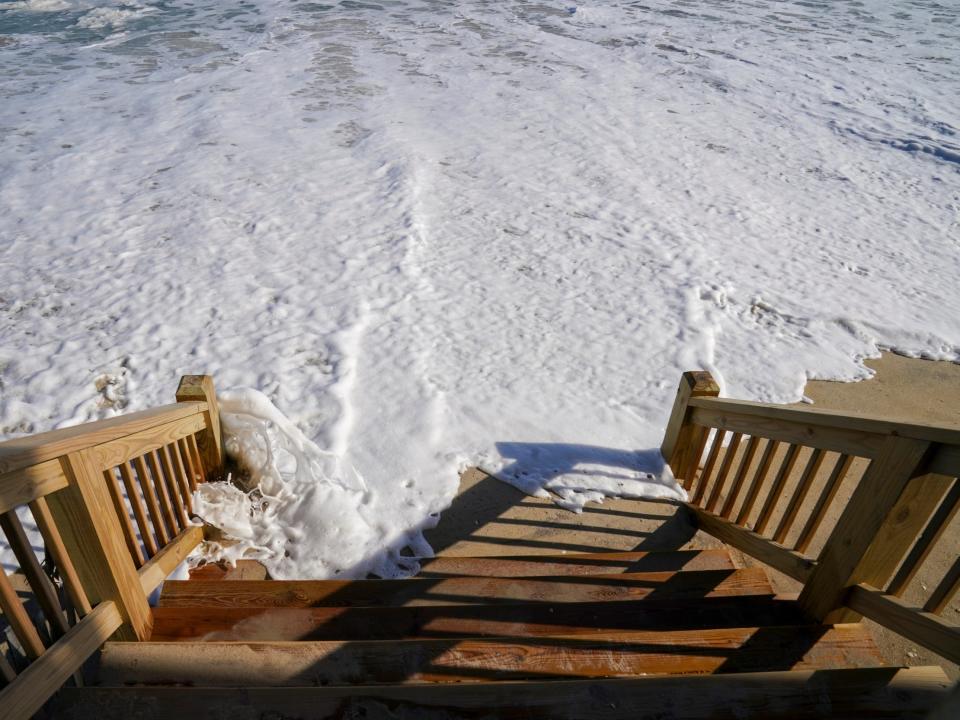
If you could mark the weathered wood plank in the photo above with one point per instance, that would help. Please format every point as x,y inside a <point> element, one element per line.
<point>922,627</point>
<point>156,570</point>
<point>801,695</point>
<point>620,654</point>
<point>438,621</point>
<point>34,686</point>
<point>463,590</point>
<point>576,564</point>
<point>766,551</point>
<point>34,449</point>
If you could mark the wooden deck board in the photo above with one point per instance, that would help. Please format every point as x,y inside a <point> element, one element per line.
<point>517,620</point>
<point>464,591</point>
<point>860,693</point>
<point>617,654</point>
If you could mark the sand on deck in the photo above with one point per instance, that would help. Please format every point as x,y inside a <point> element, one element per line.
<point>489,517</point>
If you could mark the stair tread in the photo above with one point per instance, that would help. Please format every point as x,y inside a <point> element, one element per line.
<point>511,620</point>
<point>856,693</point>
<point>609,654</point>
<point>576,563</point>
<point>463,590</point>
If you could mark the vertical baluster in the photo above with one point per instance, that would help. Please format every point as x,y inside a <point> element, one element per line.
<point>945,591</point>
<point>799,495</point>
<point>39,582</point>
<point>184,447</point>
<point>54,544</point>
<point>758,478</point>
<point>729,454</point>
<point>160,484</point>
<point>738,479</point>
<point>129,536</point>
<point>179,469</point>
<point>690,471</point>
<point>138,510</point>
<point>715,448</point>
<point>829,492</point>
<point>931,534</point>
<point>197,462</point>
<point>19,620</point>
<point>151,497</point>
<point>169,473</point>
<point>786,467</point>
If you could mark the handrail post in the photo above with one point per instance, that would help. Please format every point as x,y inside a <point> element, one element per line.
<point>856,550</point>
<point>84,513</point>
<point>200,387</point>
<point>678,441</point>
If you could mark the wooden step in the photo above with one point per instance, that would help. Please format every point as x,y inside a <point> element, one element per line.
<point>463,591</point>
<point>509,620</point>
<point>619,654</point>
<point>576,564</point>
<point>860,693</point>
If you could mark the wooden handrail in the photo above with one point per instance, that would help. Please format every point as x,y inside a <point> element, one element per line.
<point>74,481</point>
<point>887,527</point>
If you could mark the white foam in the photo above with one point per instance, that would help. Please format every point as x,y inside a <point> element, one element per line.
<point>435,235</point>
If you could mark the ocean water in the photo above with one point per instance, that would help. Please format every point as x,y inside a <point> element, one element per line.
<point>441,234</point>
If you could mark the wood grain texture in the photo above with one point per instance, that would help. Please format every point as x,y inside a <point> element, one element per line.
<point>40,584</point>
<point>841,563</point>
<point>54,544</point>
<point>621,654</point>
<point>24,485</point>
<point>172,486</point>
<point>833,420</point>
<point>199,388</point>
<point>156,570</point>
<point>34,686</point>
<point>576,564</point>
<point>801,695</point>
<point>18,619</point>
<point>507,620</point>
<point>34,449</point>
<point>129,535</point>
<point>679,442</point>
<point>153,504</point>
<point>944,592</point>
<point>755,545</point>
<point>921,626</point>
<point>467,590</point>
<point>85,517</point>
<point>111,454</point>
<point>136,502</point>
<point>159,484</point>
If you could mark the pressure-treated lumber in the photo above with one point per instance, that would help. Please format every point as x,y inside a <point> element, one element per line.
<point>27,694</point>
<point>168,558</point>
<point>18,619</point>
<point>129,535</point>
<point>763,549</point>
<point>86,519</point>
<point>679,439</point>
<point>40,584</point>
<point>463,590</point>
<point>827,495</point>
<point>716,447</point>
<point>576,564</point>
<point>24,485</point>
<point>199,388</point>
<point>618,654</point>
<point>759,477</point>
<point>34,449</point>
<point>738,479</point>
<point>802,695</point>
<point>845,561</point>
<point>153,504</point>
<point>438,621</point>
<point>923,628</point>
<point>54,543</point>
<point>133,495</point>
<point>729,454</point>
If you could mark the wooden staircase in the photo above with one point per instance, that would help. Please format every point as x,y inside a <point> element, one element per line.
<point>615,635</point>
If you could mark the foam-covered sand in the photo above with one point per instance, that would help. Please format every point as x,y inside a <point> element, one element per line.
<point>443,234</point>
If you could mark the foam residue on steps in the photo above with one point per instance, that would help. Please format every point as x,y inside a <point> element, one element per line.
<point>302,511</point>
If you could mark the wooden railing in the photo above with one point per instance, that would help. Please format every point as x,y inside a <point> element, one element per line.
<point>850,506</point>
<point>112,503</point>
